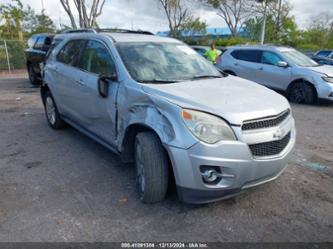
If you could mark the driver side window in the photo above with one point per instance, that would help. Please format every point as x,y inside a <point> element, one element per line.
<point>270,58</point>
<point>97,59</point>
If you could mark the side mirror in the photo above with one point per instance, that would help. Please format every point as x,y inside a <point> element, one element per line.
<point>282,64</point>
<point>103,84</point>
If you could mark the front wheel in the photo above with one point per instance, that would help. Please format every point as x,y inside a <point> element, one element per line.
<point>302,93</point>
<point>152,167</point>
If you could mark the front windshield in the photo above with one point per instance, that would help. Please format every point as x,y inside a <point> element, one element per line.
<point>299,59</point>
<point>151,62</point>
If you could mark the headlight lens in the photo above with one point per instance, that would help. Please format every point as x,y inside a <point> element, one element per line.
<point>328,79</point>
<point>206,127</point>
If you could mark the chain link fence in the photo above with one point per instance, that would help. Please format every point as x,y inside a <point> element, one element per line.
<point>12,55</point>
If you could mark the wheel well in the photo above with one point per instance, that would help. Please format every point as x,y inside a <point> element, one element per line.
<point>127,152</point>
<point>127,149</point>
<point>230,72</point>
<point>302,81</point>
<point>43,90</point>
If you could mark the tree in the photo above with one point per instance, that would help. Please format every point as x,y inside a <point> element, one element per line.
<point>12,15</point>
<point>177,14</point>
<point>233,12</point>
<point>37,23</point>
<point>193,26</point>
<point>87,16</point>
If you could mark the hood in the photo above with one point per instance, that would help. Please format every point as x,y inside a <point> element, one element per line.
<point>324,69</point>
<point>231,98</point>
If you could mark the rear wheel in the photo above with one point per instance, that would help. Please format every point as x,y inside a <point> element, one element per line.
<point>52,114</point>
<point>152,167</point>
<point>33,76</point>
<point>302,93</point>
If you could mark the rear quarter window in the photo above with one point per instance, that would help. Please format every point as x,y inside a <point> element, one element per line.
<point>247,55</point>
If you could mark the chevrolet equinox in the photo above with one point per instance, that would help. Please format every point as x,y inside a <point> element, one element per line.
<point>156,102</point>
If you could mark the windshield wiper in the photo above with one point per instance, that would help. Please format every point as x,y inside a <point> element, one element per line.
<point>158,81</point>
<point>198,77</point>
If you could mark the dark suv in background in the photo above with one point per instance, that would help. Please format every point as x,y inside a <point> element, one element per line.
<point>38,46</point>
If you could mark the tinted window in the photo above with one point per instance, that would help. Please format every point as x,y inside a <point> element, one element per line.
<point>270,58</point>
<point>32,41</point>
<point>324,53</point>
<point>97,59</point>
<point>248,55</point>
<point>70,53</point>
<point>40,43</point>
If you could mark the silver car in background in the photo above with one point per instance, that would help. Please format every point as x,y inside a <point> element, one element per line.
<point>281,68</point>
<point>158,103</point>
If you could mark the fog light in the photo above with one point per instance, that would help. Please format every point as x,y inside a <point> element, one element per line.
<point>211,174</point>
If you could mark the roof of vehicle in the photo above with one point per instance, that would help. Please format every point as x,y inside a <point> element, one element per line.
<point>269,47</point>
<point>120,36</point>
<point>132,37</point>
<point>43,34</point>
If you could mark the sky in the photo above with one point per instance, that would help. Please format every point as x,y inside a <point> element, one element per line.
<point>148,15</point>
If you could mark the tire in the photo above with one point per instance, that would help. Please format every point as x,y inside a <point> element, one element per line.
<point>152,167</point>
<point>302,93</point>
<point>33,76</point>
<point>52,115</point>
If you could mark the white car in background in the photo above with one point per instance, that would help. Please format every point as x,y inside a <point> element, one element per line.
<point>280,68</point>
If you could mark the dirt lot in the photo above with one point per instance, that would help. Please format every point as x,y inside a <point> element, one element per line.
<point>62,186</point>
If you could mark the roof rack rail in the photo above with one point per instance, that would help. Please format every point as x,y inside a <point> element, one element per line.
<point>71,31</point>
<point>115,30</point>
<point>111,30</point>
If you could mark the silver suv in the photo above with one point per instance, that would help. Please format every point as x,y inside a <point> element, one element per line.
<point>281,68</point>
<point>156,102</point>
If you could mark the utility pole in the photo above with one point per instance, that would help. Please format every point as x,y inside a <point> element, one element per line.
<point>279,16</point>
<point>263,27</point>
<point>42,5</point>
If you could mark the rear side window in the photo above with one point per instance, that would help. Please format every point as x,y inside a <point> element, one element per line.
<point>97,59</point>
<point>247,55</point>
<point>70,53</point>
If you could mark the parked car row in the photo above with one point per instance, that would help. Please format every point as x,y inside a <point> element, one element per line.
<point>158,103</point>
<point>280,68</point>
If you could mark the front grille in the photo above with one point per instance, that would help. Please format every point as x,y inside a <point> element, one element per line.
<point>270,148</point>
<point>265,122</point>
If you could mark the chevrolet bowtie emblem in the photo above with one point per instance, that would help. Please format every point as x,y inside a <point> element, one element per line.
<point>278,134</point>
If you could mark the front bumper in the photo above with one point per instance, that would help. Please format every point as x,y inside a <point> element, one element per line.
<point>325,91</point>
<point>234,159</point>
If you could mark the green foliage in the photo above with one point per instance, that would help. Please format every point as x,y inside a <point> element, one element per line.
<point>19,21</point>
<point>192,27</point>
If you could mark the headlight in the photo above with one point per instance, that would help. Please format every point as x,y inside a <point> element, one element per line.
<point>206,127</point>
<point>328,79</point>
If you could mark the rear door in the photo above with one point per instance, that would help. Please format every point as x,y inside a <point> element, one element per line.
<point>65,73</point>
<point>270,74</point>
<point>247,63</point>
<point>97,113</point>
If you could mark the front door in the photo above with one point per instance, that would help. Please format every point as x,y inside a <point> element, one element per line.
<point>97,113</point>
<point>270,74</point>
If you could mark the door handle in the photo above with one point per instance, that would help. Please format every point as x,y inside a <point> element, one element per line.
<point>261,68</point>
<point>80,82</point>
<point>236,64</point>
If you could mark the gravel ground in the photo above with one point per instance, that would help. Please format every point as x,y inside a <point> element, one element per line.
<point>62,186</point>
